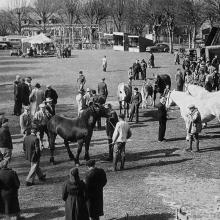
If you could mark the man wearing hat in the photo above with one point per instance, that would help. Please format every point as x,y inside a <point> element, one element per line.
<point>5,142</point>
<point>162,118</point>
<point>136,100</point>
<point>102,89</point>
<point>25,121</point>
<point>80,102</point>
<point>81,80</point>
<point>51,93</point>
<point>104,63</point>
<point>95,181</point>
<point>33,154</point>
<point>41,118</point>
<point>195,126</point>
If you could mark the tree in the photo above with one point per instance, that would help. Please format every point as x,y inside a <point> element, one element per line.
<point>44,9</point>
<point>118,10</point>
<point>4,23</point>
<point>137,15</point>
<point>192,15</point>
<point>212,11</point>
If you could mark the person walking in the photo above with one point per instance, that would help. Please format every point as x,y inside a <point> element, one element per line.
<point>6,145</point>
<point>33,154</point>
<point>179,80</point>
<point>9,185</point>
<point>110,127</point>
<point>143,69</point>
<point>104,63</point>
<point>176,58</point>
<point>95,181</point>
<point>75,195</point>
<point>81,80</point>
<point>25,121</point>
<point>17,96</point>
<point>36,98</point>
<point>41,118</point>
<point>51,93</point>
<point>136,100</point>
<point>195,126</point>
<point>151,60</point>
<point>121,133</point>
<point>136,70</point>
<point>162,118</point>
<point>87,97</point>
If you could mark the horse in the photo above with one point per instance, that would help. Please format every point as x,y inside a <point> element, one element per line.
<point>78,130</point>
<point>209,108</point>
<point>160,84</point>
<point>124,94</point>
<point>198,91</point>
<point>147,91</point>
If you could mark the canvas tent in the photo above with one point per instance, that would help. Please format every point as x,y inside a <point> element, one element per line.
<point>37,39</point>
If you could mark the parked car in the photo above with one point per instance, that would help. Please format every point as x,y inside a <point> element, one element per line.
<point>158,48</point>
<point>4,45</point>
<point>15,52</point>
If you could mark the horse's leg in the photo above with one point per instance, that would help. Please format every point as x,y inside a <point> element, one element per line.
<point>66,143</point>
<point>52,138</point>
<point>87,143</point>
<point>80,144</point>
<point>127,110</point>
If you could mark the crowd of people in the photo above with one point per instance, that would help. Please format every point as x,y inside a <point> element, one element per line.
<point>84,199</point>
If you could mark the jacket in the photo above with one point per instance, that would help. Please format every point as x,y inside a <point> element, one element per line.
<point>111,123</point>
<point>102,89</point>
<point>74,195</point>
<point>95,181</point>
<point>32,148</point>
<point>51,93</point>
<point>162,112</point>
<point>5,138</point>
<point>136,99</point>
<point>25,93</point>
<point>9,185</point>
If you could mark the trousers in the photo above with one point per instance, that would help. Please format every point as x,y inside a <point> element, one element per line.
<point>162,129</point>
<point>119,155</point>
<point>134,110</point>
<point>35,170</point>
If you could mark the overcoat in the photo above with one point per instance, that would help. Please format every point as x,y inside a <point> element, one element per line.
<point>95,181</point>
<point>5,138</point>
<point>25,93</point>
<point>74,195</point>
<point>9,185</point>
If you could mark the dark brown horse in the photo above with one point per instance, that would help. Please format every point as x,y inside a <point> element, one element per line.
<point>78,130</point>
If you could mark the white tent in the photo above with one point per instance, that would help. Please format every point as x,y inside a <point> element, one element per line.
<point>37,39</point>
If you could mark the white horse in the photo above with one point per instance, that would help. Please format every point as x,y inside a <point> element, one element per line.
<point>198,91</point>
<point>209,108</point>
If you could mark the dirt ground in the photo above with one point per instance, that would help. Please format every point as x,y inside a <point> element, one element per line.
<point>158,178</point>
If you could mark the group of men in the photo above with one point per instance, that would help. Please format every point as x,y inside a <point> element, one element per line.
<point>138,69</point>
<point>202,73</point>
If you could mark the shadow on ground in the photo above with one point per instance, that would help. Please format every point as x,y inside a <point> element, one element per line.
<point>44,213</point>
<point>163,216</point>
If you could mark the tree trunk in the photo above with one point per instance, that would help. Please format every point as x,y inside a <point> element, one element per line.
<point>189,36</point>
<point>194,36</point>
<point>170,40</point>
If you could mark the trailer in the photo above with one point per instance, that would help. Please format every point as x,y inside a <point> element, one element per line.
<point>138,43</point>
<point>121,42</point>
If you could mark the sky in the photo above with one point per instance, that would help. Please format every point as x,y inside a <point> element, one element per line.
<point>4,4</point>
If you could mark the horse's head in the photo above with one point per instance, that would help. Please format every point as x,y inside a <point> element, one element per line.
<point>101,110</point>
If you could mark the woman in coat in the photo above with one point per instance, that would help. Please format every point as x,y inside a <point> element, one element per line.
<point>36,98</point>
<point>74,195</point>
<point>9,185</point>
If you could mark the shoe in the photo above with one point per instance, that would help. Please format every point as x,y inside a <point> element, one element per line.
<point>43,178</point>
<point>29,184</point>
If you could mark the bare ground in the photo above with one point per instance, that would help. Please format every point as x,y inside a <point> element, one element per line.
<point>158,177</point>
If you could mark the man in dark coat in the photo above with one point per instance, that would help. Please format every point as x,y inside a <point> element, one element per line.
<point>179,80</point>
<point>162,118</point>
<point>52,94</point>
<point>136,69</point>
<point>32,154</point>
<point>136,100</point>
<point>152,60</point>
<point>110,127</point>
<point>25,93</point>
<point>102,89</point>
<point>95,181</point>
<point>5,143</point>
<point>17,96</point>
<point>9,185</point>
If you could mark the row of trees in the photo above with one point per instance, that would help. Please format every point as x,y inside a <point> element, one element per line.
<point>167,15</point>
